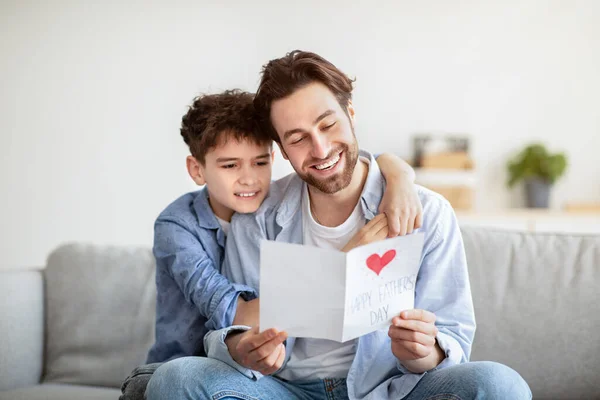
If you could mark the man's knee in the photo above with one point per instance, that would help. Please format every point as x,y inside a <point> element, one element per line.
<point>497,381</point>
<point>184,375</point>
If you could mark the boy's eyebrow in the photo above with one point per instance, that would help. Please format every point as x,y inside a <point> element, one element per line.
<point>229,159</point>
<point>226,159</point>
<point>316,121</point>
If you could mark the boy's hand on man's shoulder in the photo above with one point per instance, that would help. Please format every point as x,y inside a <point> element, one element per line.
<point>403,208</point>
<point>259,351</point>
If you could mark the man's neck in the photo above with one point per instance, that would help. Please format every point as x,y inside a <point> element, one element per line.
<point>333,209</point>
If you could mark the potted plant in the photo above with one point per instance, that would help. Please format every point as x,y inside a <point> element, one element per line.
<point>539,170</point>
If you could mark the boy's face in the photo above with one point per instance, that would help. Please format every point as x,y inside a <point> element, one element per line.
<point>317,137</point>
<point>237,176</point>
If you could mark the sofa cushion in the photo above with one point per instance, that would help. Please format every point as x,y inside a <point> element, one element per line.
<point>100,313</point>
<point>535,298</point>
<point>61,392</point>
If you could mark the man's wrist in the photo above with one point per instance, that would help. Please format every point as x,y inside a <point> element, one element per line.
<point>427,363</point>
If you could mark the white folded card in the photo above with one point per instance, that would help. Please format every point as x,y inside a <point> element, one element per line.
<point>328,294</point>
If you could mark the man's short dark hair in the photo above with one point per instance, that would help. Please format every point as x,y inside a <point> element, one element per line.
<point>283,76</point>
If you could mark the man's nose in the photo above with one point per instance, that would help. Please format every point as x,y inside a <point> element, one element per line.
<point>320,146</point>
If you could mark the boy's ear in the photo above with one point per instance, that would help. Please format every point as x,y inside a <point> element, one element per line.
<point>272,156</point>
<point>285,157</point>
<point>195,170</point>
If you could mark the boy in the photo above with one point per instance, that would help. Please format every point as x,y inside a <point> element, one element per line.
<point>232,157</point>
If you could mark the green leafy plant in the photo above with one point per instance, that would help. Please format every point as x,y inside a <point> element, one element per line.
<point>535,162</point>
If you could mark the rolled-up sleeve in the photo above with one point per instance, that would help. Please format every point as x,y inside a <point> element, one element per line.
<point>195,273</point>
<point>443,287</point>
<point>214,344</point>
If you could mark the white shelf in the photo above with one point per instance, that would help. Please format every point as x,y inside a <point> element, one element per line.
<point>445,177</point>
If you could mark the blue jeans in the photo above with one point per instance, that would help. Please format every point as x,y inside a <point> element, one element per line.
<point>203,378</point>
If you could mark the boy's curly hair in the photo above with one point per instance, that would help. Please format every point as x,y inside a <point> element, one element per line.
<point>212,119</point>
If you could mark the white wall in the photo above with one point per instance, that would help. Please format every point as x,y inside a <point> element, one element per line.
<point>92,96</point>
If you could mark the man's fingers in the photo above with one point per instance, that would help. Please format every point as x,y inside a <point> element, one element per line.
<point>399,334</point>
<point>418,314</point>
<point>427,328</point>
<point>374,226</point>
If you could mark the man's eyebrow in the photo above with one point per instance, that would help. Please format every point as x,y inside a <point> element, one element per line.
<point>317,120</point>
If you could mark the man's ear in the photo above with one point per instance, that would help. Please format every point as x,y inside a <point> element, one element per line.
<point>351,113</point>
<point>195,170</point>
<point>283,154</point>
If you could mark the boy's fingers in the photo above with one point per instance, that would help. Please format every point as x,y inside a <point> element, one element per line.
<point>394,223</point>
<point>256,339</point>
<point>404,217</point>
<point>419,219</point>
<point>266,364</point>
<point>266,349</point>
<point>278,362</point>
<point>410,223</point>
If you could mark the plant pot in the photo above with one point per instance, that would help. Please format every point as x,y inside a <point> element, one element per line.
<point>538,193</point>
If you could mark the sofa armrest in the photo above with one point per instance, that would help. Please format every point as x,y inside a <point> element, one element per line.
<point>21,328</point>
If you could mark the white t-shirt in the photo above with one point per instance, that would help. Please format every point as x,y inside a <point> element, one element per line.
<point>224,225</point>
<point>321,358</point>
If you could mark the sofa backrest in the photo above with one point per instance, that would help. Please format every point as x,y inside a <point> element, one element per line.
<point>534,296</point>
<point>537,309</point>
<point>100,308</point>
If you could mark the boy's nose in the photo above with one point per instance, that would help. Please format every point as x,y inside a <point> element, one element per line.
<point>247,178</point>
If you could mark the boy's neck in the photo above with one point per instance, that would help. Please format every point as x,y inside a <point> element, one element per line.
<point>220,210</point>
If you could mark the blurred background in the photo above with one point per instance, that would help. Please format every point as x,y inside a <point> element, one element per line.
<point>92,94</point>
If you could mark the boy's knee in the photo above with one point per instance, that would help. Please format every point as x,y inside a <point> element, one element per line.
<point>497,381</point>
<point>173,379</point>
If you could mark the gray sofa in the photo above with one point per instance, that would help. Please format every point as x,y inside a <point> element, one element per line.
<point>76,328</point>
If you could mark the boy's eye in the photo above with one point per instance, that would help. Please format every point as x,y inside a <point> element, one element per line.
<point>228,166</point>
<point>262,163</point>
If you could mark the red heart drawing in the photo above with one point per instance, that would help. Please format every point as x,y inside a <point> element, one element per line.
<point>376,263</point>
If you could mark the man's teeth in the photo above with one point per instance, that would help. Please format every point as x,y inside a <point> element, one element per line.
<point>246,194</point>
<point>329,164</point>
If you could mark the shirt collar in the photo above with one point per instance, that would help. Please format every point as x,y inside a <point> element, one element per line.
<point>204,213</point>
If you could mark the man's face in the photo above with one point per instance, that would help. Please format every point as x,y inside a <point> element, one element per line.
<point>317,137</point>
<point>238,175</point>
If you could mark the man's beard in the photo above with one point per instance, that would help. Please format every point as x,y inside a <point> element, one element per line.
<point>341,180</point>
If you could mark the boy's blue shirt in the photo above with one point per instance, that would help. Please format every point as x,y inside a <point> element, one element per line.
<point>442,283</point>
<point>192,295</point>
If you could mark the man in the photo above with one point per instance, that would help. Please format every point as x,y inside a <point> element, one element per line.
<point>305,102</point>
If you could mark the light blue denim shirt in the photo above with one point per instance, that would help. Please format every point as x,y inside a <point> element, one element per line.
<point>192,295</point>
<point>442,283</point>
